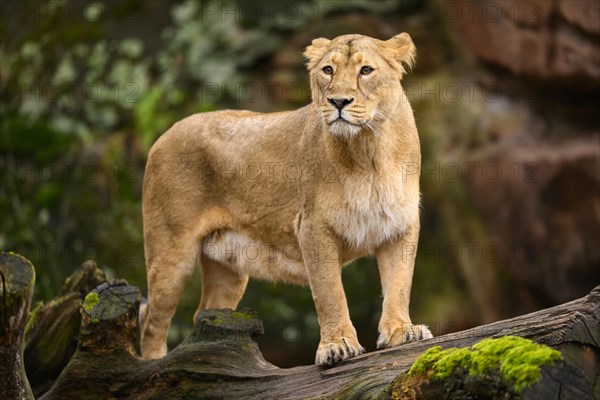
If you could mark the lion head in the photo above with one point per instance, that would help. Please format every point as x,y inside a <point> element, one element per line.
<point>355,80</point>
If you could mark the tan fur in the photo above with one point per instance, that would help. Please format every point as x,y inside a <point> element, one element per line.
<point>292,196</point>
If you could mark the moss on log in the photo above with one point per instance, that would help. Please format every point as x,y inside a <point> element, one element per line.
<point>109,318</point>
<point>106,348</point>
<point>17,278</point>
<point>493,368</point>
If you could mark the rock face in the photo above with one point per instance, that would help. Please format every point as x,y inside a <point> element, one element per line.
<point>544,209</point>
<point>544,39</point>
<point>544,212</point>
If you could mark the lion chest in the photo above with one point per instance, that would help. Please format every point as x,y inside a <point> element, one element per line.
<point>371,212</point>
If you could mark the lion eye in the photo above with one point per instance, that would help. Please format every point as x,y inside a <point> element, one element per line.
<point>327,70</point>
<point>366,70</point>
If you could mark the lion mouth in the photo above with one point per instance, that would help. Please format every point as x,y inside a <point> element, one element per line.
<point>342,120</point>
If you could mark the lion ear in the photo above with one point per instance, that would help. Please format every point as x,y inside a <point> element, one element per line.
<point>315,52</point>
<point>402,49</point>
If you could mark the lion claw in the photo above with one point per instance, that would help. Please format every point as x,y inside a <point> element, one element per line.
<point>332,353</point>
<point>403,334</point>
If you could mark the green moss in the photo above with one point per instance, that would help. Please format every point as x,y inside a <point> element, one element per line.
<point>518,360</point>
<point>217,320</point>
<point>449,361</point>
<point>32,319</point>
<point>241,315</point>
<point>90,301</point>
<point>425,361</point>
<point>40,308</point>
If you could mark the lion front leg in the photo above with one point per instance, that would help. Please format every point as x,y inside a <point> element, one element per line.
<point>396,261</point>
<point>338,336</point>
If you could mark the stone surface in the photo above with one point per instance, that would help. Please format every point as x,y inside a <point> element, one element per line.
<point>542,39</point>
<point>575,57</point>
<point>584,14</point>
<point>544,211</point>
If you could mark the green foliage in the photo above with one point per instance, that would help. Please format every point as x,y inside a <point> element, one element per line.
<point>517,359</point>
<point>150,120</point>
<point>41,143</point>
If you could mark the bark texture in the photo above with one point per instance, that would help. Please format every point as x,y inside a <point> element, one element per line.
<point>52,328</point>
<point>17,278</point>
<point>220,359</point>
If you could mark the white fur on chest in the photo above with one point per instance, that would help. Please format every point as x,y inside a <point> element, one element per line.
<point>372,212</point>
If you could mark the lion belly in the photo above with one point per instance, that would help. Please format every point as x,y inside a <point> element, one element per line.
<point>255,258</point>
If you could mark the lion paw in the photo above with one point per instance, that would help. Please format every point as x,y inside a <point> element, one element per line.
<point>333,352</point>
<point>402,333</point>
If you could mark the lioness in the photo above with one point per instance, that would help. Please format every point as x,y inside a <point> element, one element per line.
<point>293,196</point>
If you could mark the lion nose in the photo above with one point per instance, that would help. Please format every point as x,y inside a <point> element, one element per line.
<point>340,103</point>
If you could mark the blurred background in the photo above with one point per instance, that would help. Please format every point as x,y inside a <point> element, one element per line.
<point>505,95</point>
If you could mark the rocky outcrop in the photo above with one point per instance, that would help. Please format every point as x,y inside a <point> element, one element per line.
<point>544,210</point>
<point>544,39</point>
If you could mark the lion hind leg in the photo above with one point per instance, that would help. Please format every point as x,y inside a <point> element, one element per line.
<point>167,276</point>
<point>170,259</point>
<point>222,287</point>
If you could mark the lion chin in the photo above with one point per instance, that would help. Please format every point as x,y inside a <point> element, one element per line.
<point>344,129</point>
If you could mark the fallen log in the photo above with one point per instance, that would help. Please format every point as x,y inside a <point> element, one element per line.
<point>220,359</point>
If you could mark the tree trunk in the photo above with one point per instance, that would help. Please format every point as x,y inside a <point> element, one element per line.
<point>52,329</point>
<point>17,276</point>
